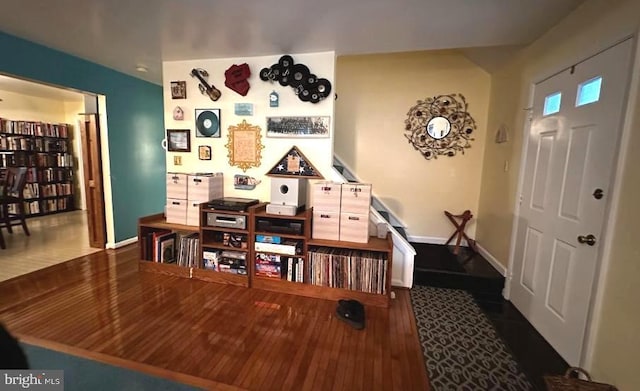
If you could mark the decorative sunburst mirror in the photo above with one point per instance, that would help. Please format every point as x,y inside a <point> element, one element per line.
<point>440,125</point>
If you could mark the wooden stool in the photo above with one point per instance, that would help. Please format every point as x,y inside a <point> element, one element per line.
<point>465,217</point>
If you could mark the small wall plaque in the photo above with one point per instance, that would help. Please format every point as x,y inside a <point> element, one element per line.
<point>243,108</point>
<point>274,99</point>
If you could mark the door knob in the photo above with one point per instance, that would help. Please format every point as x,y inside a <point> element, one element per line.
<point>597,194</point>
<point>589,239</point>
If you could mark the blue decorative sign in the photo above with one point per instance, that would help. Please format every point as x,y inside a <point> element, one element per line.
<point>243,108</point>
<point>274,99</point>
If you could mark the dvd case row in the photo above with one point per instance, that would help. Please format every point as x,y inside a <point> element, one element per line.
<point>234,262</point>
<point>34,128</point>
<point>279,266</point>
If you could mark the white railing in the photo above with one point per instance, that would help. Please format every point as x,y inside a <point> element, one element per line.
<point>403,251</point>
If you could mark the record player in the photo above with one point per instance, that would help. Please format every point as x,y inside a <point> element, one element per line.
<point>236,204</point>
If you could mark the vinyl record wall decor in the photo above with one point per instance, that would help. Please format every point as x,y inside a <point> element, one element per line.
<point>440,125</point>
<point>208,123</point>
<point>306,84</point>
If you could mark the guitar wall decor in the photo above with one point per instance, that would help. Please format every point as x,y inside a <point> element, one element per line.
<point>205,88</point>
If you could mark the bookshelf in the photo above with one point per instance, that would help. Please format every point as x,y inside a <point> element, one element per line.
<point>280,244</point>
<point>371,287</point>
<point>226,250</point>
<point>154,223</point>
<point>46,150</point>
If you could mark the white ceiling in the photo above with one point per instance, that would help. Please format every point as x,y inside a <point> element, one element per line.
<point>122,34</point>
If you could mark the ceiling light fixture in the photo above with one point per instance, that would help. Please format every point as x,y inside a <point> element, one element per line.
<point>142,68</point>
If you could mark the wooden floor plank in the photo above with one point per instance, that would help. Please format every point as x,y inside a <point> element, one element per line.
<point>211,335</point>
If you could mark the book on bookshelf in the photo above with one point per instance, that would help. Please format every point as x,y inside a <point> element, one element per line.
<point>166,248</point>
<point>287,247</point>
<point>46,150</point>
<point>211,259</point>
<point>279,266</point>
<point>234,262</point>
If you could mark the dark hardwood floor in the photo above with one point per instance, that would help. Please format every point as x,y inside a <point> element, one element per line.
<point>437,266</point>
<point>210,335</point>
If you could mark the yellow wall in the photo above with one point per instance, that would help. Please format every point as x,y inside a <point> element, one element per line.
<point>594,26</point>
<point>19,107</point>
<point>375,93</point>
<point>317,150</point>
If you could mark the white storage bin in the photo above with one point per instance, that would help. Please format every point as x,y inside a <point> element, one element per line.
<point>176,185</point>
<point>205,187</point>
<point>326,225</point>
<point>176,211</point>
<point>193,212</point>
<point>354,227</point>
<point>325,196</point>
<point>355,198</point>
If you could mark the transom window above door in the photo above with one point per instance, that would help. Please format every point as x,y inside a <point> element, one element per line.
<point>552,103</point>
<point>589,91</point>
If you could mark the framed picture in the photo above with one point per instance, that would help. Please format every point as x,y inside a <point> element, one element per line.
<point>178,140</point>
<point>166,248</point>
<point>308,127</point>
<point>208,123</point>
<point>244,146</point>
<point>178,90</point>
<point>243,108</point>
<point>204,152</point>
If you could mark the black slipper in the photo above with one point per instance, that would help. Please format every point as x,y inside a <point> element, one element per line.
<point>351,312</point>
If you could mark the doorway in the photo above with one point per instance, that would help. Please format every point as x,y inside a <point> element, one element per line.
<point>569,163</point>
<point>56,236</point>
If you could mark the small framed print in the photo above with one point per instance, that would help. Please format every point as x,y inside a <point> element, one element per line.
<point>204,152</point>
<point>178,140</point>
<point>178,90</point>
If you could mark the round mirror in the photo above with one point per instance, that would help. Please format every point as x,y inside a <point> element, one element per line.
<point>438,127</point>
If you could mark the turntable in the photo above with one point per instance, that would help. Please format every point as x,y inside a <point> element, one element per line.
<point>236,204</point>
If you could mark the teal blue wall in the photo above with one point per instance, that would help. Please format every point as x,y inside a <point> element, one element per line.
<point>135,123</point>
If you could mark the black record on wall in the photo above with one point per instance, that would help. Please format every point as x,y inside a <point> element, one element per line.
<point>207,123</point>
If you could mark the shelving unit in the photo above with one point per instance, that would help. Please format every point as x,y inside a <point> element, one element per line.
<point>45,150</point>
<point>158,222</point>
<point>274,257</point>
<point>210,239</point>
<point>222,240</point>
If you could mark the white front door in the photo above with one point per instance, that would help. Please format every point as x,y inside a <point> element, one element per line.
<point>569,163</point>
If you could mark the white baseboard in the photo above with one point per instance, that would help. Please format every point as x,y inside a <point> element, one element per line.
<point>486,254</point>
<point>126,242</point>
<point>492,260</point>
<point>433,240</point>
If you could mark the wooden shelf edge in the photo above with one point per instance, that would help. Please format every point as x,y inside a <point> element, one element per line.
<point>159,221</point>
<point>164,268</point>
<point>221,277</point>
<point>374,244</point>
<point>320,292</point>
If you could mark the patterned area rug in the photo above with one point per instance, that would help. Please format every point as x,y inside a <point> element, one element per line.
<point>461,348</point>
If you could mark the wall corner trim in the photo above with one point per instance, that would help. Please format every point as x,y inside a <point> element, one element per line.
<point>122,243</point>
<point>492,260</point>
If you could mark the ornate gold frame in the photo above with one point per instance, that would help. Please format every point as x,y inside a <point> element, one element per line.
<point>244,146</point>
